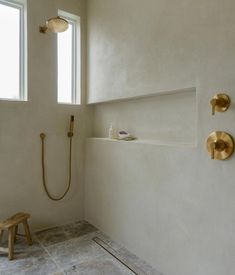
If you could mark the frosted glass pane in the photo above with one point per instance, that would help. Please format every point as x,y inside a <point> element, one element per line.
<point>9,52</point>
<point>65,44</point>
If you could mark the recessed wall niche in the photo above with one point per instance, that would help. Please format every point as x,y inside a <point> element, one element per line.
<point>157,119</point>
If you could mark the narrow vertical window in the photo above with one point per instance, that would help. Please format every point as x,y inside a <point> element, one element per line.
<point>68,52</point>
<point>12,50</point>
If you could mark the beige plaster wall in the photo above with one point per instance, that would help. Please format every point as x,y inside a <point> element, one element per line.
<point>22,122</point>
<point>171,205</point>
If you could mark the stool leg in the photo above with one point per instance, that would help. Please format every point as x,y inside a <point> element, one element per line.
<point>27,232</point>
<point>1,234</point>
<point>11,236</point>
<point>16,231</point>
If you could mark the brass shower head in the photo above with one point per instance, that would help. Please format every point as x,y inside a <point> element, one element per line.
<point>55,24</point>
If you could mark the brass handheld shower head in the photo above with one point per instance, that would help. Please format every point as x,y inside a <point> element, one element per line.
<point>70,133</point>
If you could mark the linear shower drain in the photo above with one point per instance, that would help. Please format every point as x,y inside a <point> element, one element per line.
<point>113,253</point>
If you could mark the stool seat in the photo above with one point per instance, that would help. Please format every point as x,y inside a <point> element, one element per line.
<point>11,224</point>
<point>14,220</point>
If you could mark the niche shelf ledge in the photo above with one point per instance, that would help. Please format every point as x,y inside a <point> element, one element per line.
<point>146,142</point>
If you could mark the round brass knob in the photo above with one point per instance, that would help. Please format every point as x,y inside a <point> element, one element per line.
<point>220,145</point>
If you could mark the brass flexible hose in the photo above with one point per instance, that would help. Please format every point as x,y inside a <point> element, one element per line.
<point>43,136</point>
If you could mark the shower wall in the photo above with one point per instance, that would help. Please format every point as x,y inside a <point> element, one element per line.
<point>171,205</point>
<point>22,122</point>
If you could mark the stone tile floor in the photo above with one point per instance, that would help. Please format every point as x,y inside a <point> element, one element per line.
<point>77,248</point>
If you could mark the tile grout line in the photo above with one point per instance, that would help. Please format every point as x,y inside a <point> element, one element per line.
<point>50,256</point>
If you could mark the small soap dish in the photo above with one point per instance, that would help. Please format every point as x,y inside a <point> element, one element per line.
<point>122,135</point>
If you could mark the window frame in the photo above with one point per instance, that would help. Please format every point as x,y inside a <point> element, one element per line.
<point>21,5</point>
<point>74,20</point>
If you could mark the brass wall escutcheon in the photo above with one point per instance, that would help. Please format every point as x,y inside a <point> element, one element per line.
<point>220,145</point>
<point>220,103</point>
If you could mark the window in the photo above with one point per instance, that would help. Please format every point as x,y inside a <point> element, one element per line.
<point>12,50</point>
<point>68,57</point>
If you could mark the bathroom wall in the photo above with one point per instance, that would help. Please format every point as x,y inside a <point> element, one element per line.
<point>22,122</point>
<point>171,205</point>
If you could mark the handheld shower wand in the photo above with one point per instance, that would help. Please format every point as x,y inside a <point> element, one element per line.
<point>70,133</point>
<point>70,136</point>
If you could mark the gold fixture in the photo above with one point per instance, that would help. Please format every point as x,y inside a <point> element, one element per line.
<point>220,145</point>
<point>43,137</point>
<point>220,103</point>
<point>70,133</point>
<point>55,24</point>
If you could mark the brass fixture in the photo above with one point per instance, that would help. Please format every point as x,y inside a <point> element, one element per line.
<point>70,133</point>
<point>220,145</point>
<point>54,24</point>
<point>220,103</point>
<point>43,137</point>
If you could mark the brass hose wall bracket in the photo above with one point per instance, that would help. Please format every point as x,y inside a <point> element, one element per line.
<point>220,145</point>
<point>220,103</point>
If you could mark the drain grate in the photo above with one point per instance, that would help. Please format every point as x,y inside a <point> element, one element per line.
<point>112,252</point>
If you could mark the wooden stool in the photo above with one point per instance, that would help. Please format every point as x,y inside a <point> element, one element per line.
<point>11,225</point>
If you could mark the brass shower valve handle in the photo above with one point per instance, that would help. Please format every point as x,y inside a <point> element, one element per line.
<point>220,145</point>
<point>213,150</point>
<point>220,103</point>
